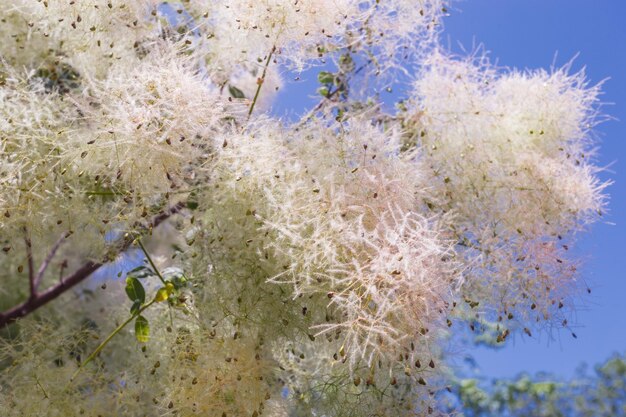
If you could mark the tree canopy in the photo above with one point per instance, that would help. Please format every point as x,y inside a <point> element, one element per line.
<point>600,394</point>
<point>315,267</point>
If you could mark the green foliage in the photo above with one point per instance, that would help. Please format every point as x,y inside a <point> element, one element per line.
<point>174,282</point>
<point>602,394</point>
<point>325,77</point>
<point>135,290</point>
<point>134,309</point>
<point>235,92</point>
<point>142,329</point>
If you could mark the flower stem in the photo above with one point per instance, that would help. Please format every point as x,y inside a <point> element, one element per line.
<point>154,268</point>
<point>108,339</point>
<point>261,81</point>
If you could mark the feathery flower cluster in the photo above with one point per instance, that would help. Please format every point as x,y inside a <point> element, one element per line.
<point>39,202</point>
<point>349,227</point>
<point>88,35</point>
<point>329,257</point>
<point>323,387</point>
<point>245,31</point>
<point>511,154</point>
<point>330,227</point>
<point>145,128</point>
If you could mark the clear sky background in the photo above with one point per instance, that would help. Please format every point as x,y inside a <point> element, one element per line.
<point>530,34</point>
<point>540,33</point>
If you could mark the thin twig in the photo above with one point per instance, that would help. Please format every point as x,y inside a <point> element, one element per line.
<point>119,328</point>
<point>108,339</point>
<point>46,262</point>
<point>156,270</point>
<point>62,266</point>
<point>330,95</point>
<point>261,81</point>
<point>149,258</point>
<point>33,303</point>
<point>45,394</point>
<point>31,267</point>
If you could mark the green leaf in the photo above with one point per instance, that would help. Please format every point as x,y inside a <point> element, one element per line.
<point>323,91</point>
<point>140,272</point>
<point>326,77</point>
<point>235,92</point>
<point>135,290</point>
<point>180,282</point>
<point>142,329</point>
<point>134,309</point>
<point>346,63</point>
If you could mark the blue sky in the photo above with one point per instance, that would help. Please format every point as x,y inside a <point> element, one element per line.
<point>533,34</point>
<point>538,33</point>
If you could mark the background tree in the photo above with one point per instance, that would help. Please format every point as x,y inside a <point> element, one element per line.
<point>307,268</point>
<point>600,394</point>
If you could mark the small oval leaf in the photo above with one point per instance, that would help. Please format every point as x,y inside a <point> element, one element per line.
<point>135,290</point>
<point>142,329</point>
<point>235,92</point>
<point>325,77</point>
<point>134,309</point>
<point>323,91</point>
<point>346,63</point>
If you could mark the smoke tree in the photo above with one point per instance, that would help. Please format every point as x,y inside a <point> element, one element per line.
<point>255,266</point>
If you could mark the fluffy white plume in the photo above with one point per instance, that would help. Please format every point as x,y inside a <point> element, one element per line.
<point>246,31</point>
<point>511,154</point>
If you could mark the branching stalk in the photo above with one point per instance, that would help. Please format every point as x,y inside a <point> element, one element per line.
<point>154,268</point>
<point>261,81</point>
<point>109,338</point>
<point>46,262</point>
<point>31,267</point>
<point>65,283</point>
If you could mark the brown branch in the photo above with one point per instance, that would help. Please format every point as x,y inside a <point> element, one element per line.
<point>46,262</point>
<point>31,267</point>
<point>37,300</point>
<point>62,266</point>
